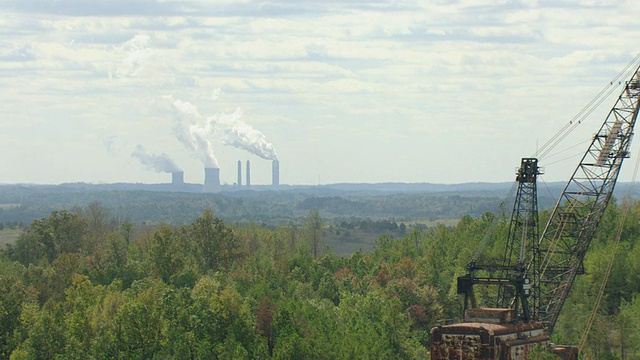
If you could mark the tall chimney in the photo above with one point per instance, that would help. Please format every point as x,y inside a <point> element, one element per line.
<point>248,171</point>
<point>211,180</point>
<point>275,173</point>
<point>177,178</point>
<point>239,172</point>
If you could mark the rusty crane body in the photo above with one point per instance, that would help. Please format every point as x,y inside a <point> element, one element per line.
<point>537,272</point>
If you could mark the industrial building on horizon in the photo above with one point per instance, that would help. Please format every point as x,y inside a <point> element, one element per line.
<point>177,178</point>
<point>211,180</point>
<point>275,172</point>
<point>212,177</point>
<point>248,173</point>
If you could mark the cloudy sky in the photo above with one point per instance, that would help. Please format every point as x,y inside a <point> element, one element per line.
<point>439,91</point>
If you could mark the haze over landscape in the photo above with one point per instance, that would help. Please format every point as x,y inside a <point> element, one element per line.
<point>242,179</point>
<point>345,91</point>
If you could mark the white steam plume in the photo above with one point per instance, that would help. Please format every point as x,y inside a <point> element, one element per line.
<point>156,162</point>
<point>190,129</point>
<point>235,132</point>
<point>136,56</point>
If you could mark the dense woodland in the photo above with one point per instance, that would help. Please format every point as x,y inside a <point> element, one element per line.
<point>83,284</point>
<point>25,203</point>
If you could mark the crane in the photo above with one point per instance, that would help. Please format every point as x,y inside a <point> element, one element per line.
<point>511,275</point>
<point>537,272</point>
<point>575,218</point>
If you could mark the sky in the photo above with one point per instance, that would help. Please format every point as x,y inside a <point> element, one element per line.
<point>339,91</point>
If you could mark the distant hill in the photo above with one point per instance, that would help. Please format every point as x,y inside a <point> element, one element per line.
<point>284,204</point>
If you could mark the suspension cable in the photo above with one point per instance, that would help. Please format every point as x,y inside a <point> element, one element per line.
<point>559,136</point>
<point>618,236</point>
<point>572,147</point>
<point>565,158</point>
<point>492,225</point>
<point>584,113</point>
<point>546,186</point>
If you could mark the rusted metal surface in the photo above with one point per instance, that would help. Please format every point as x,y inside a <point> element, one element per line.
<point>486,341</point>
<point>489,315</point>
<point>566,352</point>
<point>521,348</point>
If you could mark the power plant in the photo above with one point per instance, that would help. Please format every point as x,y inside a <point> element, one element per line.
<point>211,180</point>
<point>177,178</point>
<point>195,135</point>
<point>275,173</point>
<point>248,173</point>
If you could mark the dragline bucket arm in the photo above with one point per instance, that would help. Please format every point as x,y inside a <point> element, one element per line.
<point>575,218</point>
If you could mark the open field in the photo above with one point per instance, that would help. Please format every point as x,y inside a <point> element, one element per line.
<point>8,236</point>
<point>8,206</point>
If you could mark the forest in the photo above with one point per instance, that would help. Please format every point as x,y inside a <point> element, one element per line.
<point>138,203</point>
<point>84,284</point>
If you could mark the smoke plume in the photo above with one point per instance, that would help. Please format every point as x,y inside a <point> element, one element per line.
<point>159,163</point>
<point>235,132</point>
<point>190,130</point>
<point>136,54</point>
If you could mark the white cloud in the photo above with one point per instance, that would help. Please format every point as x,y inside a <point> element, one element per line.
<point>344,73</point>
<point>135,56</point>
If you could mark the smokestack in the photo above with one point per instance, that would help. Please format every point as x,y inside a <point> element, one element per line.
<point>177,178</point>
<point>239,172</point>
<point>211,180</point>
<point>248,173</point>
<point>275,173</point>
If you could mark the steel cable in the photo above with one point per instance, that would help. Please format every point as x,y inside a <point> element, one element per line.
<point>612,257</point>
<point>568,128</point>
<point>492,225</point>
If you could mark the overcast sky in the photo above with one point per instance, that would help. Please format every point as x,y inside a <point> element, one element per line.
<point>339,91</point>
